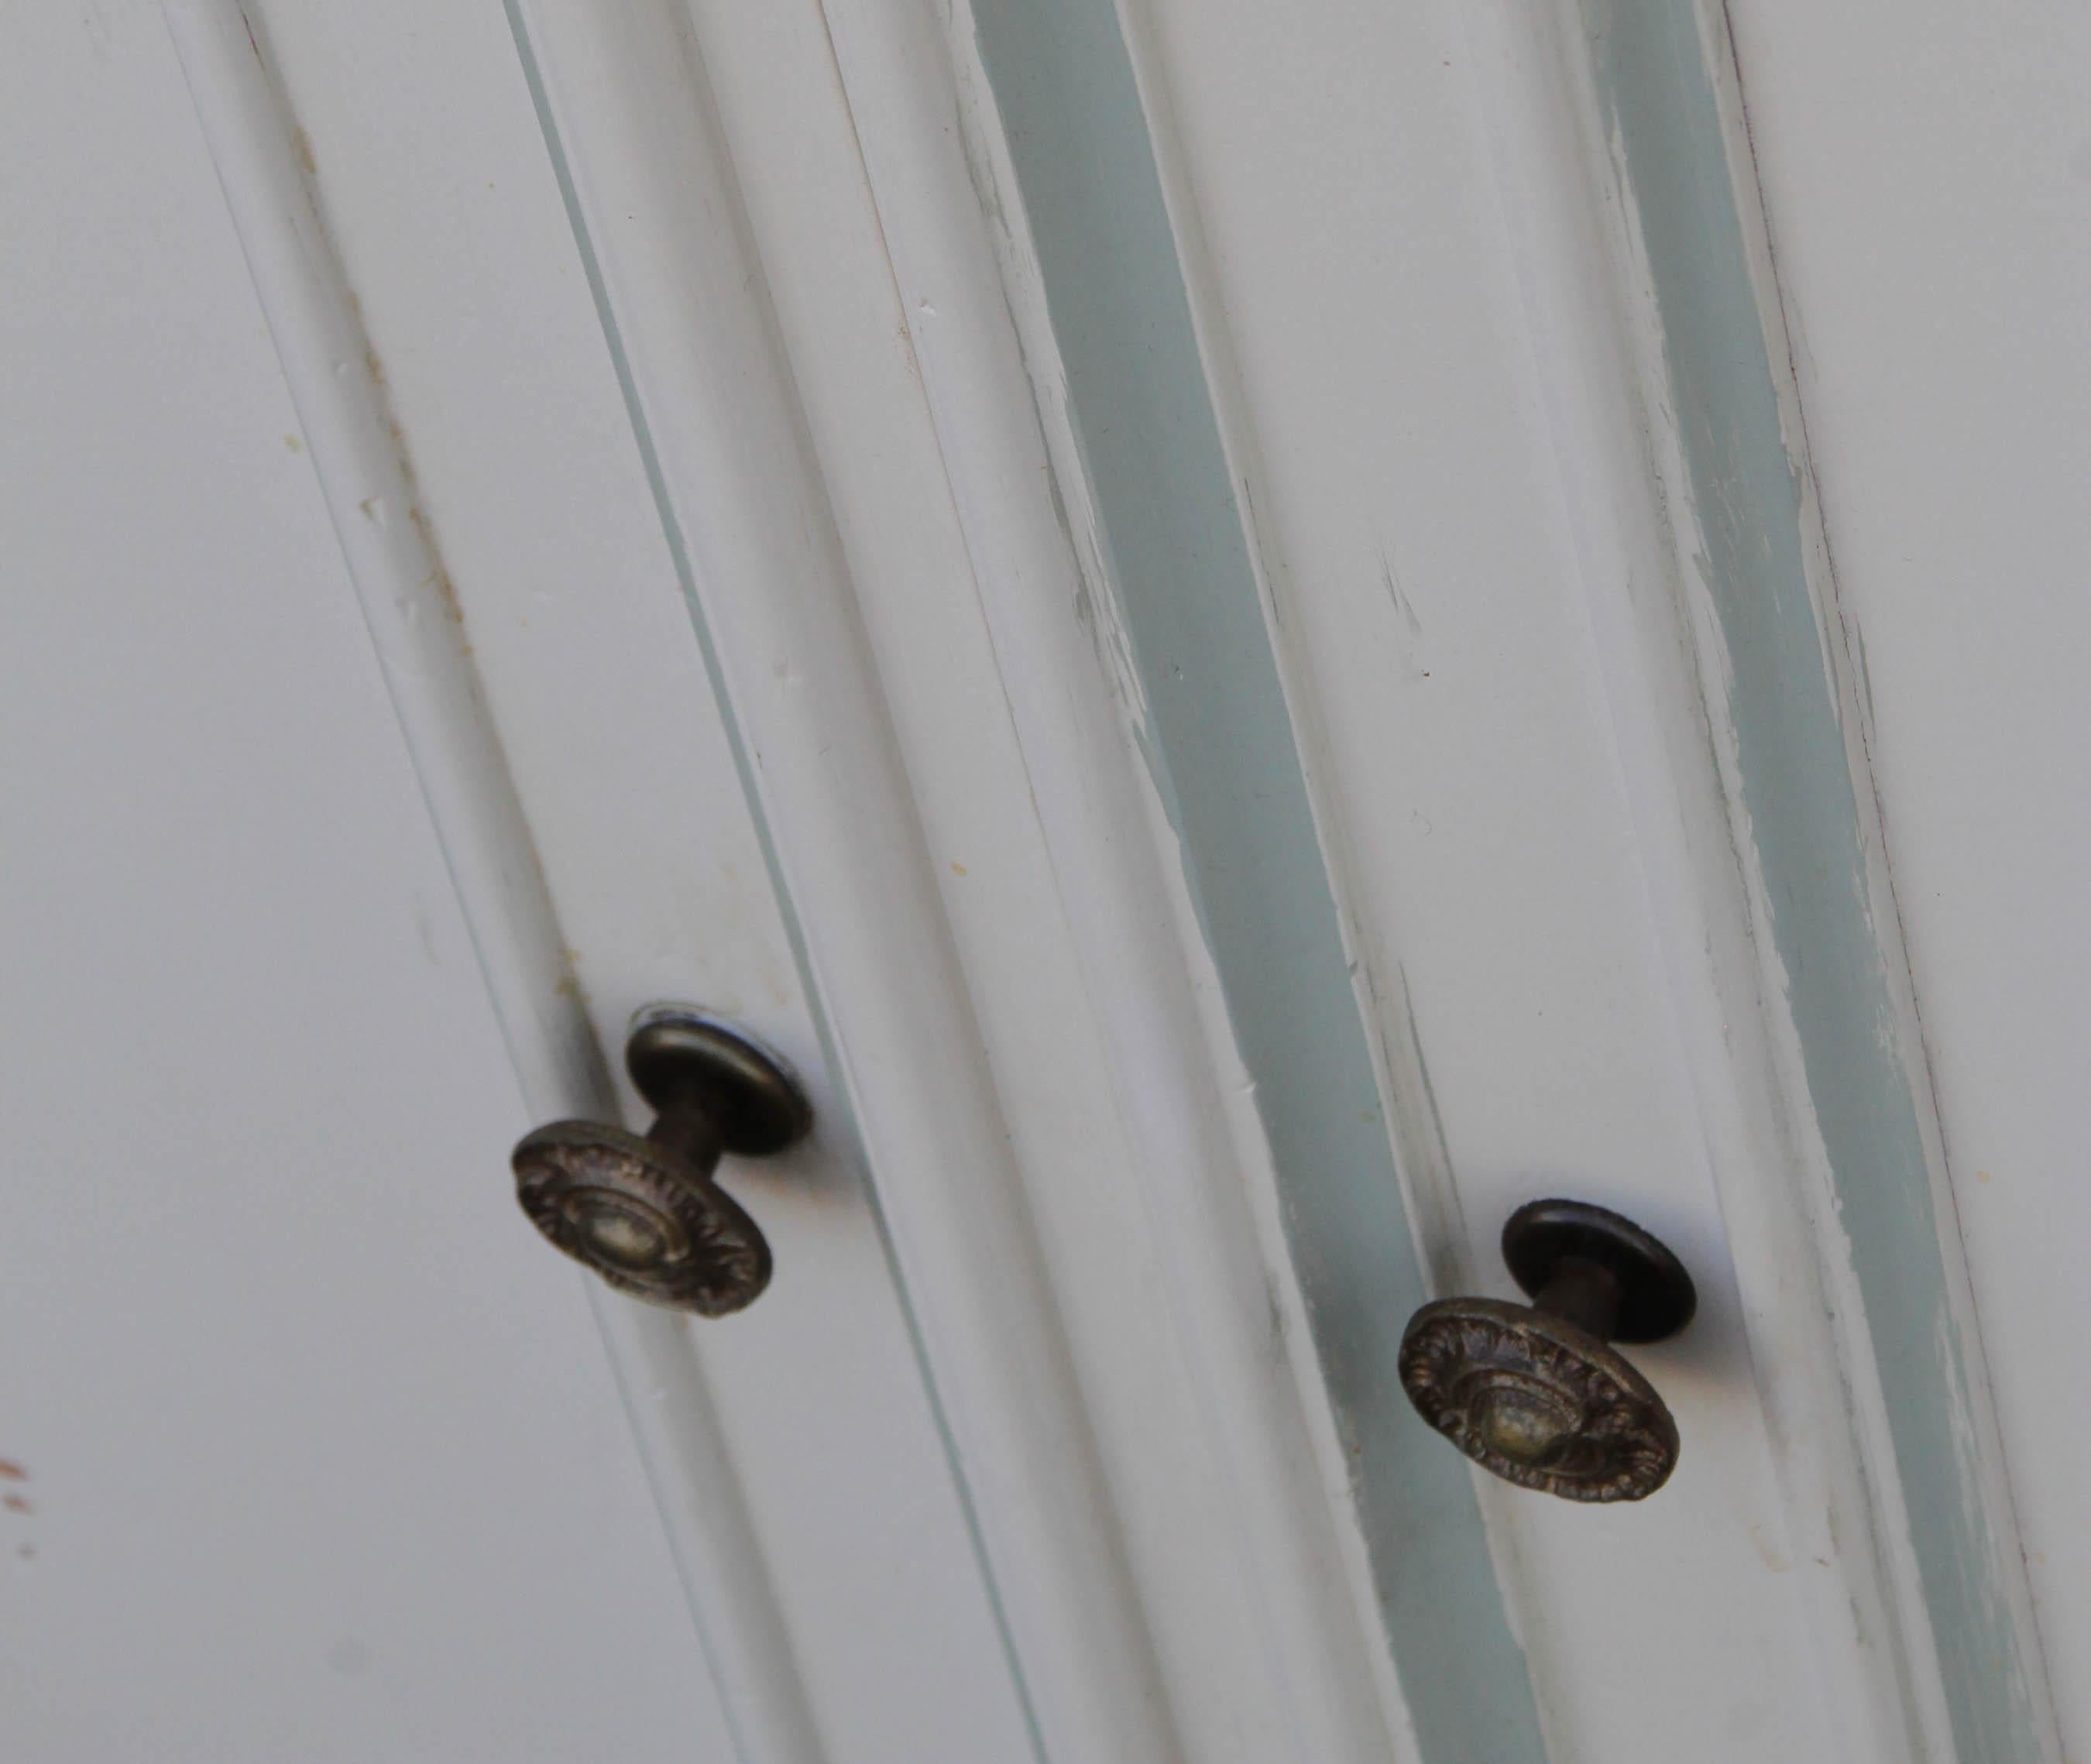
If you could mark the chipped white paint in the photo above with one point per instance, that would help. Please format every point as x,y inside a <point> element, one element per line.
<point>1590,337</point>
<point>1924,173</point>
<point>1302,236</point>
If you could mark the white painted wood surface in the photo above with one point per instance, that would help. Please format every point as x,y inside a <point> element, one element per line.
<point>309,1458</point>
<point>682,397</point>
<point>527,473</point>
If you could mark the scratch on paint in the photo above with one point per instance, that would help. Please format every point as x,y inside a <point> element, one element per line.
<point>1423,1075</point>
<point>1412,651</point>
<point>1097,612</point>
<point>376,509</point>
<point>1266,580</point>
<point>1402,603</point>
<point>1865,673</point>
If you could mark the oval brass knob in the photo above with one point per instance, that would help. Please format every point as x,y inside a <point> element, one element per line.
<point>647,1214</point>
<point>1533,1392</point>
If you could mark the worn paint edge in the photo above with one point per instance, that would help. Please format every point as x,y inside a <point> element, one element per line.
<point>1215,730</point>
<point>1775,692</point>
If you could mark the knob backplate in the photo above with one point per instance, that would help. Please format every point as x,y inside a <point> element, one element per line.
<point>1657,1297</point>
<point>754,1098</point>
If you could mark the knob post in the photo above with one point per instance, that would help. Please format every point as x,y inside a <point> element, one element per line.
<point>1583,1293</point>
<point>688,1127</point>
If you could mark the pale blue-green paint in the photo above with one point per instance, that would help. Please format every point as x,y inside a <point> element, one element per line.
<point>1221,743</point>
<point>1808,836</point>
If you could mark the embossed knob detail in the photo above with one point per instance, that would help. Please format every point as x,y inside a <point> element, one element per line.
<point>1533,1392</point>
<point>646,1214</point>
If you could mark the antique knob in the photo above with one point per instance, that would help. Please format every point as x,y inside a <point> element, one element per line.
<point>1533,1392</point>
<point>646,1214</point>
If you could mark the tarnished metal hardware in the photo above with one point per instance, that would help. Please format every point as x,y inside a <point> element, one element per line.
<point>1533,1392</point>
<point>647,1214</point>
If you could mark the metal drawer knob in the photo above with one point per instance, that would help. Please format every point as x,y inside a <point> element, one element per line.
<point>646,1214</point>
<point>1533,1392</point>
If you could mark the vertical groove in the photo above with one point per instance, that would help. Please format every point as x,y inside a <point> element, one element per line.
<point>1808,836</point>
<point>1226,762</point>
